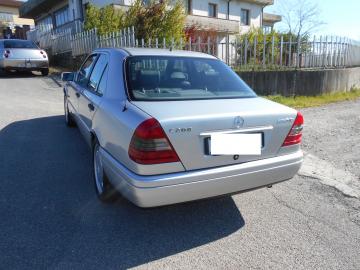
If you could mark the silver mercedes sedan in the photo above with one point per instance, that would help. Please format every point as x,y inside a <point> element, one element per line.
<point>22,55</point>
<point>174,126</point>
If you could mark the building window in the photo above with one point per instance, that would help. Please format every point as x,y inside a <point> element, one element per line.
<point>6,17</point>
<point>212,10</point>
<point>245,17</point>
<point>62,16</point>
<point>267,29</point>
<point>45,24</point>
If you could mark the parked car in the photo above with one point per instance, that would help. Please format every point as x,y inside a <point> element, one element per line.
<point>22,55</point>
<point>173,126</point>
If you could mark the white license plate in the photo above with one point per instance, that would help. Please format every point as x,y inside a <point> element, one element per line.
<point>236,144</point>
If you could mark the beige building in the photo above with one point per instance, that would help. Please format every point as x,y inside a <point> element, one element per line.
<point>10,22</point>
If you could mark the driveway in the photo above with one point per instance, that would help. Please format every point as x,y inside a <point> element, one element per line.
<point>51,219</point>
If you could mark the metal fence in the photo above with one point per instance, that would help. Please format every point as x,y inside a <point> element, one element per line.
<point>259,52</point>
<point>276,52</point>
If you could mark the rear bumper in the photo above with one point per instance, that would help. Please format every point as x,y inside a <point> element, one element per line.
<point>151,191</point>
<point>20,64</point>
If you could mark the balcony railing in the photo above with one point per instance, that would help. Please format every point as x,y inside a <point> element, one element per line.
<point>216,24</point>
<point>261,2</point>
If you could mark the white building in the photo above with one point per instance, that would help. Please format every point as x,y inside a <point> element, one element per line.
<point>223,16</point>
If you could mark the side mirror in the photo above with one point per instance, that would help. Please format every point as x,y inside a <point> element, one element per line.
<point>67,76</point>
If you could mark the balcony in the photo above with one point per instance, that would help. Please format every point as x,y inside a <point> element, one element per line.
<point>33,8</point>
<point>271,19</point>
<point>216,24</point>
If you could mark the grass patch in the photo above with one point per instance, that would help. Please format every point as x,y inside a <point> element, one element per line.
<point>299,102</point>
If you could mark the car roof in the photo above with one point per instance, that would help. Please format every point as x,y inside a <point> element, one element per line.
<point>160,52</point>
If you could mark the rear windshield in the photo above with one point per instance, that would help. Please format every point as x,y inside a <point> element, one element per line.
<point>151,78</point>
<point>19,44</point>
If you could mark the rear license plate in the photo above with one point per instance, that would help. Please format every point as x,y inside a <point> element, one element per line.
<point>28,64</point>
<point>236,144</point>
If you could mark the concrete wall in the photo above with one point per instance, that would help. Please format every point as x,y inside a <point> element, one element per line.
<point>302,82</point>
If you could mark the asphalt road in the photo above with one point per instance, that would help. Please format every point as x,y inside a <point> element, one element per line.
<point>50,217</point>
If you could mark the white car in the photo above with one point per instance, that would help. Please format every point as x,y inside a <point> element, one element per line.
<point>22,55</point>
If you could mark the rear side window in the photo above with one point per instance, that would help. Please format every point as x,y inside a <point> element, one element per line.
<point>19,44</point>
<point>182,78</point>
<point>103,82</point>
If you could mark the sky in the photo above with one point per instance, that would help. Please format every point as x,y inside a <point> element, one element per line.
<point>342,17</point>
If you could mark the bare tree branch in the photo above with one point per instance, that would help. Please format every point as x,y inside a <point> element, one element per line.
<point>301,17</point>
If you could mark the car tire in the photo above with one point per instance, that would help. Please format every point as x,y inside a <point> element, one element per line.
<point>104,190</point>
<point>45,72</point>
<point>69,120</point>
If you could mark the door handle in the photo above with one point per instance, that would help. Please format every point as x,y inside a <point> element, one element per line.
<point>91,107</point>
<point>77,95</point>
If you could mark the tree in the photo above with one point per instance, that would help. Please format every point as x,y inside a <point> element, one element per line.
<point>106,19</point>
<point>157,20</point>
<point>301,17</point>
<point>153,20</point>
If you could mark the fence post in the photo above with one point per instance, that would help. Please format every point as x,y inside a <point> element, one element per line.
<point>264,51</point>
<point>236,51</point>
<point>272,49</point>
<point>156,43</point>
<point>199,44</point>
<point>312,61</point>
<point>290,44</point>
<point>96,38</point>
<point>245,50</point>
<point>281,49</point>
<point>255,45</point>
<point>321,50</point>
<point>326,52</point>
<point>208,44</point>
<point>298,64</point>
<point>164,42</point>
<point>348,51</point>
<point>133,36</point>
<point>129,37</point>
<point>190,44</point>
<point>335,51</point>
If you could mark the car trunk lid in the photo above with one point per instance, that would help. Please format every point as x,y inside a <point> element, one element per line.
<point>190,124</point>
<point>25,54</point>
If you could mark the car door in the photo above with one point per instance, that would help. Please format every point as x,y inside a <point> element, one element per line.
<point>92,93</point>
<point>76,89</point>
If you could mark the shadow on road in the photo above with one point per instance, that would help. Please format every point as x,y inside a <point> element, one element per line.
<point>51,219</point>
<point>18,74</point>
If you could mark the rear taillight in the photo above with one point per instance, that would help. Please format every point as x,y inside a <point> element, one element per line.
<point>295,134</point>
<point>150,145</point>
<point>7,53</point>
